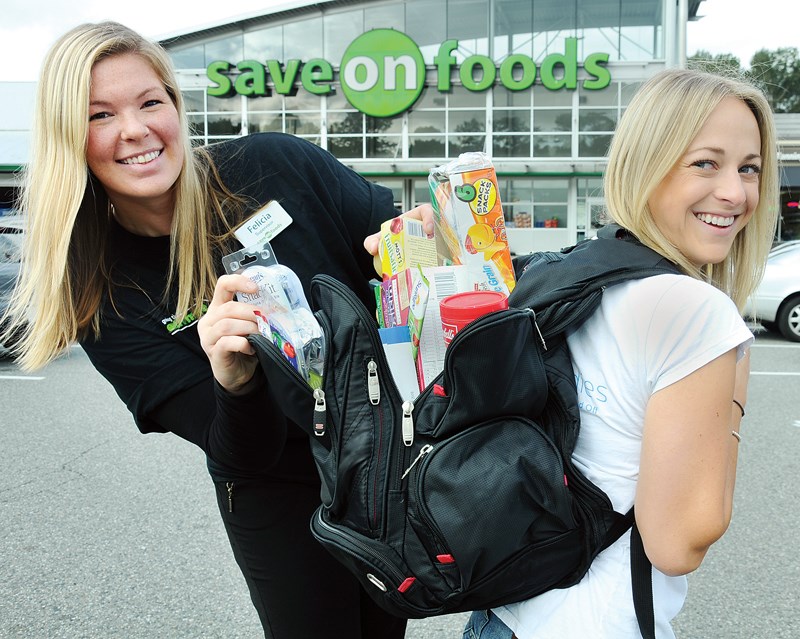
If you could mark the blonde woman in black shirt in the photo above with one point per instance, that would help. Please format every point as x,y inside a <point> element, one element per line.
<point>128,224</point>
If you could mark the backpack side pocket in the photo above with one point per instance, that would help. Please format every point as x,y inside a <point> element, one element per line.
<point>295,395</point>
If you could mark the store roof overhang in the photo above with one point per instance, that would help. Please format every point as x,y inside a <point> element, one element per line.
<point>503,168</point>
<point>287,10</point>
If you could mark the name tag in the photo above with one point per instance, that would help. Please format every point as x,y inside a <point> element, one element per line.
<point>263,225</point>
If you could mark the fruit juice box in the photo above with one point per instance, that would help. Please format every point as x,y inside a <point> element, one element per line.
<point>470,227</point>
<point>441,282</point>
<point>404,244</point>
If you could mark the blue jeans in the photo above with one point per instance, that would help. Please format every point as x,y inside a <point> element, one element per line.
<point>484,624</point>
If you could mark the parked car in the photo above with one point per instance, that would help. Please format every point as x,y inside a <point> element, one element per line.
<point>11,233</point>
<point>776,302</point>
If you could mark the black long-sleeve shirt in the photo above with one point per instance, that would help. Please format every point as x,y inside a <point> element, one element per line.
<point>160,370</point>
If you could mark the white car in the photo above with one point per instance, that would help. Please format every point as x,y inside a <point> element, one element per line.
<point>776,302</point>
<point>11,233</point>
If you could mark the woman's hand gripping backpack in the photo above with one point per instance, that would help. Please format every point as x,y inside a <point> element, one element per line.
<point>466,498</point>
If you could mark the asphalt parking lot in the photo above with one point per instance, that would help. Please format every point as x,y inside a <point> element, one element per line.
<point>110,534</point>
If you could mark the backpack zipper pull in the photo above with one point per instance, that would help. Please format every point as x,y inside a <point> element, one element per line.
<point>538,331</point>
<point>373,386</point>
<point>320,411</point>
<point>422,452</point>
<point>408,423</point>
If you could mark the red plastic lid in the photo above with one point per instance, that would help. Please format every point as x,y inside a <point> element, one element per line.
<point>473,304</point>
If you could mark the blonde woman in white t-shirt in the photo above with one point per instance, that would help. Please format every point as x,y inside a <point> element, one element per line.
<point>662,366</point>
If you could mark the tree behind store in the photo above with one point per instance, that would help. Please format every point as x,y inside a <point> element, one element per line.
<point>777,72</point>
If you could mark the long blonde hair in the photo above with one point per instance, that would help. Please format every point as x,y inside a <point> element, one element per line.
<point>662,119</point>
<point>64,270</point>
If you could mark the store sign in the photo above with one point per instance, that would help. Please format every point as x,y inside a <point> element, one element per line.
<point>382,73</point>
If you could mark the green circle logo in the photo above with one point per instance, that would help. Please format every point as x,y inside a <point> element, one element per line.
<point>382,73</point>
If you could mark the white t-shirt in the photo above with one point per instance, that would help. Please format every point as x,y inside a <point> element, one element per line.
<point>646,335</point>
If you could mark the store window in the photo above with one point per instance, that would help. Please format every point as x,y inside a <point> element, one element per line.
<point>340,29</point>
<point>513,26</point>
<point>264,44</point>
<point>351,134</point>
<point>227,48</point>
<point>598,28</point>
<point>550,197</point>
<point>422,192</point>
<point>467,22</point>
<point>191,57</point>
<point>197,128</point>
<point>265,114</point>
<point>535,202</point>
<point>223,105</point>
<point>194,100</point>
<point>383,137</point>
<point>427,124</point>
<point>466,126</point>
<point>641,30</point>
<point>597,118</point>
<point>396,186</point>
<point>302,40</point>
<point>303,115</point>
<point>553,22</point>
<point>552,125</point>
<point>590,206</point>
<point>228,124</point>
<point>378,17</point>
<point>426,24</point>
<point>511,122</point>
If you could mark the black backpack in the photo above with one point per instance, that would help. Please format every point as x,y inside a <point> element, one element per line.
<point>485,507</point>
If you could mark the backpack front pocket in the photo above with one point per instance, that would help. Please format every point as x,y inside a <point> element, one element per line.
<point>492,368</point>
<point>502,480</point>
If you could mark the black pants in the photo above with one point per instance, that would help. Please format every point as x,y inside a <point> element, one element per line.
<point>298,588</point>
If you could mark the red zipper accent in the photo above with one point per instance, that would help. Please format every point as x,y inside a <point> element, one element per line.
<point>407,583</point>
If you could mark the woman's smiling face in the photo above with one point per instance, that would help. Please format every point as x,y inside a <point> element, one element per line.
<point>134,147</point>
<point>711,193</point>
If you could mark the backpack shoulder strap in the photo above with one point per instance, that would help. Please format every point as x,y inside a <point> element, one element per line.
<point>564,287</point>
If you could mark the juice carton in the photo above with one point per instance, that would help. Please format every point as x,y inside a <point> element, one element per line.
<point>442,281</point>
<point>470,228</point>
<point>404,244</point>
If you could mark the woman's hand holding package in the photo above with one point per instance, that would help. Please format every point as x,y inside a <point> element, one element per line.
<point>223,334</point>
<point>422,212</point>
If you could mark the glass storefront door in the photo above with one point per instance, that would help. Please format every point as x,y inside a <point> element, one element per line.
<point>593,215</point>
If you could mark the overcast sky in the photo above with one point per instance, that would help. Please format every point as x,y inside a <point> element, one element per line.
<point>28,27</point>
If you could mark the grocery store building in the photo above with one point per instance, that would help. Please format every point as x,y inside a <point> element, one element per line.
<point>395,88</point>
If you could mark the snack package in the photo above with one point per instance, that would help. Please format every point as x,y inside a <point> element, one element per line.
<point>404,244</point>
<point>298,336</point>
<point>282,311</point>
<point>402,302</point>
<point>470,227</point>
